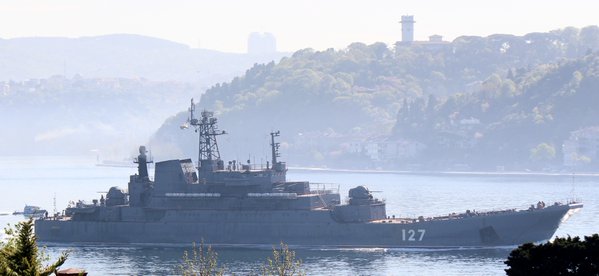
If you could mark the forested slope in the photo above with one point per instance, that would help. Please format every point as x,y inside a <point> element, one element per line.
<point>519,120</point>
<point>326,101</point>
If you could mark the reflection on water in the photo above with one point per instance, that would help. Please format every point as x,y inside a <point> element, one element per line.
<point>37,180</point>
<point>243,261</point>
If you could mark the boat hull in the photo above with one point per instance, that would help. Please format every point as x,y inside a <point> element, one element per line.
<point>308,228</point>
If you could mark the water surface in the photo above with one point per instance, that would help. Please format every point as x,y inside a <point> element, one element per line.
<point>40,180</point>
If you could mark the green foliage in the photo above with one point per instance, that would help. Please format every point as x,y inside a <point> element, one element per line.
<point>523,91</point>
<point>563,256</point>
<point>282,263</point>
<point>520,120</point>
<point>543,152</point>
<point>581,159</point>
<point>202,262</point>
<point>20,254</point>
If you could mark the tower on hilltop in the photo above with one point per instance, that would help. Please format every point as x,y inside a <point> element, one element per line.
<point>407,28</point>
<point>262,44</point>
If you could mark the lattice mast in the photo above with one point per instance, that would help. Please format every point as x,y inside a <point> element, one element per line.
<point>207,130</point>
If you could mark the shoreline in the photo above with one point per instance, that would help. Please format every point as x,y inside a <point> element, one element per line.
<point>451,173</point>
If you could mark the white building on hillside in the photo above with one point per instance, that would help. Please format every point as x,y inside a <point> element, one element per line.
<point>582,147</point>
<point>390,150</point>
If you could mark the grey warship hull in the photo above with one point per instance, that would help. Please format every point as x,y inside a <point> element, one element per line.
<point>238,203</point>
<point>311,228</point>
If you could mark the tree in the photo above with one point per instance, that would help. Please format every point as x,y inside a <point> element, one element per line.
<point>282,263</point>
<point>543,152</point>
<point>563,256</point>
<point>203,262</point>
<point>21,256</point>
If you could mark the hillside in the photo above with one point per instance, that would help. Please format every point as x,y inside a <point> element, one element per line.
<point>520,120</point>
<point>331,105</point>
<point>108,93</point>
<point>120,56</point>
<point>57,115</point>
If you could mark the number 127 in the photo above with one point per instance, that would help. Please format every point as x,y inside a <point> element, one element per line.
<point>411,234</point>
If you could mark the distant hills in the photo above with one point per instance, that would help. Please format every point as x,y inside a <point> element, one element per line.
<point>66,116</point>
<point>120,56</point>
<point>473,103</point>
<point>107,93</point>
<point>477,103</point>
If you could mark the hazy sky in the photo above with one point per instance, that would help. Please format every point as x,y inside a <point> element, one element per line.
<point>225,24</point>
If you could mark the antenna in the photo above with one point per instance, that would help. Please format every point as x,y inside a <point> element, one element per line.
<point>275,146</point>
<point>54,212</point>
<point>573,188</point>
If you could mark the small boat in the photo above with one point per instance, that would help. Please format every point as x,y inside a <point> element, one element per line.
<point>31,211</point>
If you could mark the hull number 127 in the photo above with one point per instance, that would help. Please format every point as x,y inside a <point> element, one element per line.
<point>412,235</point>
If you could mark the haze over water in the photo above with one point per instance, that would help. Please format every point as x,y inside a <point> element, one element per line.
<point>35,180</point>
<point>475,85</point>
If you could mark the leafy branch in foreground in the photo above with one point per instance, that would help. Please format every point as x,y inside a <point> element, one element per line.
<point>202,262</point>
<point>282,263</point>
<point>21,256</point>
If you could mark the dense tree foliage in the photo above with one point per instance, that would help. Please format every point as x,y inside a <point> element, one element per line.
<point>323,100</point>
<point>521,122</point>
<point>562,256</point>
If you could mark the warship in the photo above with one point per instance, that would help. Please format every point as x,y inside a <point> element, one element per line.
<point>241,204</point>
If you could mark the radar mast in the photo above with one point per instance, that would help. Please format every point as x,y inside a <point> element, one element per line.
<point>275,146</point>
<point>207,129</point>
<point>276,164</point>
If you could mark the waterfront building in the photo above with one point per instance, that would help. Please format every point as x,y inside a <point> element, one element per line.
<point>582,147</point>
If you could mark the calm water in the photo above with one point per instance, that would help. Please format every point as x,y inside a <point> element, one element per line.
<point>38,180</point>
